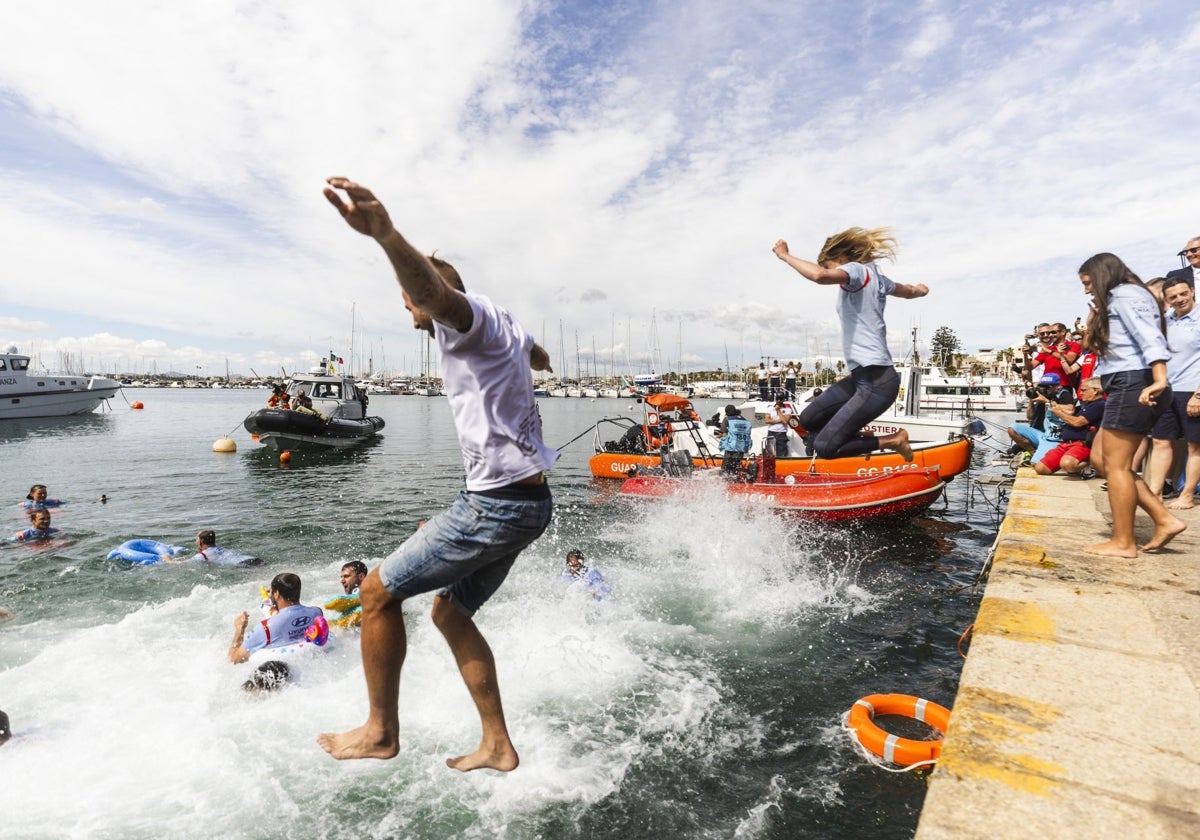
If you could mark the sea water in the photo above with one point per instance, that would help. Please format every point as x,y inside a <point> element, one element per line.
<point>702,699</point>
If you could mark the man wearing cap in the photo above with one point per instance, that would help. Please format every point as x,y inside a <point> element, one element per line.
<point>1190,272</point>
<point>735,442</point>
<point>1049,391</point>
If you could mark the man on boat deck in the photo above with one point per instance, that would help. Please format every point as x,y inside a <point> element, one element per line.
<point>304,406</point>
<point>465,553</point>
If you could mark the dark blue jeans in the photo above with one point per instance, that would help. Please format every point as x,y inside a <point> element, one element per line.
<point>834,418</point>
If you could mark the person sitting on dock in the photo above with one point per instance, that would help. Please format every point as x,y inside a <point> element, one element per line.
<point>1079,425</point>
<point>1039,441</point>
<point>279,398</point>
<point>40,530</point>
<point>304,406</point>
<point>286,626</point>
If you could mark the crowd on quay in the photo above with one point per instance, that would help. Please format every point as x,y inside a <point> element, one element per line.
<point>1119,396</point>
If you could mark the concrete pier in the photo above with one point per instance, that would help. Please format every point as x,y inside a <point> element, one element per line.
<point>1078,712</point>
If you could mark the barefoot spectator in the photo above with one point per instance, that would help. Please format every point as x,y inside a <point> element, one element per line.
<point>1127,330</point>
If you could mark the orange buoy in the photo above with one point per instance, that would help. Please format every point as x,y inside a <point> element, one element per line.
<point>892,748</point>
<point>254,438</point>
<point>137,404</point>
<point>285,456</point>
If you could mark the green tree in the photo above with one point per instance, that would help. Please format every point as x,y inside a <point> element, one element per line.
<point>946,349</point>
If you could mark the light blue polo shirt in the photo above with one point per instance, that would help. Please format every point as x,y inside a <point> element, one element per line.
<point>861,300</point>
<point>1135,340</point>
<point>1183,336</point>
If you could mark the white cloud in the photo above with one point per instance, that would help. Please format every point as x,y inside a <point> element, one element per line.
<point>162,170</point>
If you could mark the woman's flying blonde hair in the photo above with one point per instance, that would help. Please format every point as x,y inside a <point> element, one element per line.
<point>859,245</point>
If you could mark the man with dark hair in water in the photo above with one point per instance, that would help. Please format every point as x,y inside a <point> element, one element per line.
<point>287,625</point>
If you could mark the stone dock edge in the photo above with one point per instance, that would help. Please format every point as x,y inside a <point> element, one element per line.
<point>1077,713</point>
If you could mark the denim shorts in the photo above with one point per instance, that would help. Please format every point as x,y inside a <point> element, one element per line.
<point>1175,422</point>
<point>466,552</point>
<point>1122,411</point>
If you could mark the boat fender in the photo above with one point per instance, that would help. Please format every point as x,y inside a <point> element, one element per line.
<point>144,552</point>
<point>904,752</point>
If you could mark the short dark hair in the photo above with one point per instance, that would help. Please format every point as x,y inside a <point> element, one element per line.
<point>449,273</point>
<point>574,552</point>
<point>268,676</point>
<point>359,567</point>
<point>207,537</point>
<point>1167,283</point>
<point>287,584</point>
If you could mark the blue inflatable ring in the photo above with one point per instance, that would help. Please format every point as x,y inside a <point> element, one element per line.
<point>144,552</point>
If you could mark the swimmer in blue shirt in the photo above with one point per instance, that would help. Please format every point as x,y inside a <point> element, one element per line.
<point>287,626</point>
<point>833,419</point>
<point>207,551</point>
<point>37,499</point>
<point>577,571</point>
<point>41,529</point>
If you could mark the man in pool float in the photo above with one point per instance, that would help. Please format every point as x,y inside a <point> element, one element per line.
<point>41,529</point>
<point>285,627</point>
<point>465,553</point>
<point>349,605</point>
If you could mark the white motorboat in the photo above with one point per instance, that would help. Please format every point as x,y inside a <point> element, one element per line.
<point>963,394</point>
<point>343,405</point>
<point>25,394</point>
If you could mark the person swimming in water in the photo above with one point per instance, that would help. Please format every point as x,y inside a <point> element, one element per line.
<point>37,499</point>
<point>578,571</point>
<point>40,530</point>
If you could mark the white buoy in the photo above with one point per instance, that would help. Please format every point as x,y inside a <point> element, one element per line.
<point>224,445</point>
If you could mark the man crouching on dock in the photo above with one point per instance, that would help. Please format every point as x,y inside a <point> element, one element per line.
<point>466,552</point>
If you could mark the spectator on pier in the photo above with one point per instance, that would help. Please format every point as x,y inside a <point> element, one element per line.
<point>1080,422</point>
<point>1053,351</point>
<point>1190,273</point>
<point>1181,417</point>
<point>774,377</point>
<point>1127,330</point>
<point>1043,431</point>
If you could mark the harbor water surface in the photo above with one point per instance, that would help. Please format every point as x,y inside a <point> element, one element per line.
<point>703,699</point>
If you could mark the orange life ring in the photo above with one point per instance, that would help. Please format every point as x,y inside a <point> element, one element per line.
<point>652,418</point>
<point>892,748</point>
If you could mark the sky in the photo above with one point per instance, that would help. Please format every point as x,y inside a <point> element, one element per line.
<point>613,173</point>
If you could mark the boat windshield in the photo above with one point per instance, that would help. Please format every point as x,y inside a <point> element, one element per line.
<point>20,364</point>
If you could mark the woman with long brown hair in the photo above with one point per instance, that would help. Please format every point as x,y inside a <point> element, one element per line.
<point>1127,331</point>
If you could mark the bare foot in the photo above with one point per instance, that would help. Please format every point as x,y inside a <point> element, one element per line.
<point>899,443</point>
<point>1182,503</point>
<point>358,743</point>
<point>503,758</point>
<point>1110,549</point>
<point>1163,535</point>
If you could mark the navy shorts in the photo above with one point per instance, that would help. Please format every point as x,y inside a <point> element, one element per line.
<point>1122,411</point>
<point>466,552</point>
<point>1175,422</point>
